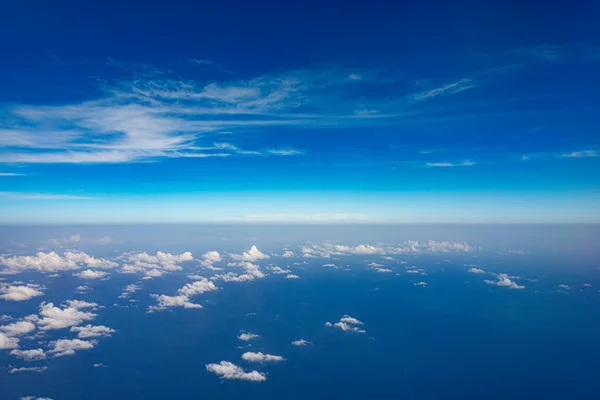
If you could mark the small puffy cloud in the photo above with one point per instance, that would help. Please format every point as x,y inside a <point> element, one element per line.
<point>300,342</point>
<point>18,328</point>
<point>27,369</point>
<point>474,270</point>
<point>228,370</point>
<point>89,331</point>
<point>128,290</point>
<point>7,342</point>
<point>53,262</point>
<point>292,276</point>
<point>587,285</point>
<point>248,336</point>
<point>153,265</point>
<point>5,317</point>
<point>279,270</point>
<point>82,289</point>
<point>382,270</point>
<point>233,277</point>
<point>29,355</point>
<point>566,287</point>
<point>329,250</point>
<point>288,254</point>
<point>209,258</point>
<point>99,365</point>
<point>165,302</point>
<point>91,274</point>
<point>69,315</point>
<point>347,324</point>
<point>20,292</point>
<point>331,266</point>
<point>374,265</point>
<point>251,255</point>
<point>503,280</point>
<point>421,284</point>
<point>197,287</point>
<point>68,347</point>
<point>261,357</point>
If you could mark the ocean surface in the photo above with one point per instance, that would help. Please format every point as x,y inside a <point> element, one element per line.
<point>434,311</point>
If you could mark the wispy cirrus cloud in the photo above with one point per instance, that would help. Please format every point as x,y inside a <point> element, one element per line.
<point>467,163</point>
<point>582,154</point>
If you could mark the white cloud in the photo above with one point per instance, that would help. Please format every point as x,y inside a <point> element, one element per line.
<point>261,357</point>
<point>328,250</point>
<point>99,365</point>
<point>475,270</point>
<point>374,265</point>
<point>382,270</point>
<point>27,369</point>
<point>285,152</point>
<point>248,336</point>
<point>35,398</point>
<point>197,287</point>
<point>69,315</point>
<point>53,262</point>
<point>68,347</point>
<point>421,284</point>
<point>450,88</point>
<point>91,274</point>
<point>18,328</point>
<point>567,287</point>
<point>29,355</point>
<point>89,331</point>
<point>128,290</point>
<point>347,324</point>
<point>165,302</point>
<point>228,370</point>
<point>233,277</point>
<point>466,163</point>
<point>503,280</point>
<point>153,265</point>
<point>292,276</point>
<point>7,342</point>
<point>20,293</point>
<point>209,258</point>
<point>582,154</point>
<point>279,270</point>
<point>251,255</point>
<point>288,254</point>
<point>300,342</point>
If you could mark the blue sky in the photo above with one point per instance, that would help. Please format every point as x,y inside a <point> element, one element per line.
<point>271,112</point>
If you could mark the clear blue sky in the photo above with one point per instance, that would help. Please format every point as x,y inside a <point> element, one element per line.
<point>305,112</point>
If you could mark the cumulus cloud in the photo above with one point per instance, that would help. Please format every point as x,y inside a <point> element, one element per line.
<point>128,290</point>
<point>27,369</point>
<point>228,370</point>
<point>251,255</point>
<point>68,347</point>
<point>20,292</point>
<point>300,342</point>
<point>503,280</point>
<point>421,284</point>
<point>328,250</point>
<point>475,270</point>
<point>18,328</point>
<point>382,270</point>
<point>153,265</point>
<point>261,357</point>
<point>233,277</point>
<point>248,336</point>
<point>70,314</point>
<point>292,276</point>
<point>209,258</point>
<point>165,302</point>
<point>29,355</point>
<point>89,331</point>
<point>197,287</point>
<point>279,270</point>
<point>288,254</point>
<point>567,287</point>
<point>374,265</point>
<point>53,262</point>
<point>347,324</point>
<point>91,274</point>
<point>7,342</point>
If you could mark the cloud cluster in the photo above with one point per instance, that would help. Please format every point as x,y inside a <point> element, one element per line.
<point>53,262</point>
<point>347,324</point>
<point>27,369</point>
<point>128,290</point>
<point>248,336</point>
<point>503,280</point>
<point>70,314</point>
<point>292,276</point>
<point>152,265</point>
<point>91,274</point>
<point>251,255</point>
<point>328,250</point>
<point>20,292</point>
<point>183,298</point>
<point>261,357</point>
<point>90,331</point>
<point>68,347</point>
<point>29,355</point>
<point>228,370</point>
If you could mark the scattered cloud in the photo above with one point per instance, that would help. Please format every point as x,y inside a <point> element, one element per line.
<point>329,250</point>
<point>209,258</point>
<point>251,255</point>
<point>68,347</point>
<point>582,154</point>
<point>475,270</point>
<point>29,355</point>
<point>20,292</point>
<point>90,331</point>
<point>503,280</point>
<point>248,336</point>
<point>91,274</point>
<point>300,342</point>
<point>279,270</point>
<point>152,265</point>
<point>70,314</point>
<point>292,276</point>
<point>467,163</point>
<point>228,370</point>
<point>7,342</point>
<point>165,302</point>
<point>261,357</point>
<point>566,287</point>
<point>18,328</point>
<point>128,290</point>
<point>27,369</point>
<point>347,324</point>
<point>100,365</point>
<point>53,262</point>
<point>421,284</point>
<point>10,174</point>
<point>288,254</point>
